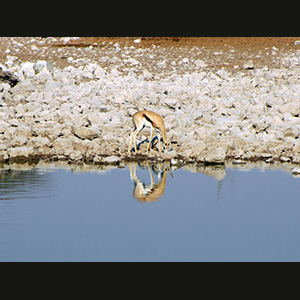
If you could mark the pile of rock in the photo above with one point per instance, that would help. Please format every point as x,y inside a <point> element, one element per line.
<point>84,113</point>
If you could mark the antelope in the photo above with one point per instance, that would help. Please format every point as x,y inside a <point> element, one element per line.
<point>147,118</point>
<point>151,192</point>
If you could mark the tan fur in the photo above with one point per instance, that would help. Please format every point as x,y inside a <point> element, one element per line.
<point>147,118</point>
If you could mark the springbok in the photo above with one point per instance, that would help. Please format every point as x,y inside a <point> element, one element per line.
<point>147,118</point>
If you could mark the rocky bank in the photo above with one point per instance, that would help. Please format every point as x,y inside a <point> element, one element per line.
<point>83,113</point>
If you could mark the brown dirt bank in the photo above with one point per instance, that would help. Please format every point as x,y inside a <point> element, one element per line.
<point>252,43</point>
<point>218,52</point>
<point>224,52</point>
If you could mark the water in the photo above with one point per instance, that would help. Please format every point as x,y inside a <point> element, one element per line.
<point>82,213</point>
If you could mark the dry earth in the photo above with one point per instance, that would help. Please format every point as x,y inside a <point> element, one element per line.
<point>227,52</point>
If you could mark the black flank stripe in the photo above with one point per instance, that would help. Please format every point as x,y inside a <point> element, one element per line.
<point>149,120</point>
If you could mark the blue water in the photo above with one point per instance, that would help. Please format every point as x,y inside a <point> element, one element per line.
<point>55,214</point>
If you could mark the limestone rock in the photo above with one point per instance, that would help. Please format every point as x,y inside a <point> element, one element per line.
<point>85,133</point>
<point>215,156</point>
<point>42,65</point>
<point>107,160</point>
<point>20,154</point>
<point>290,107</point>
<point>76,155</point>
<point>169,155</point>
<point>171,102</point>
<point>296,159</point>
<point>112,159</point>
<point>63,146</point>
<point>26,70</point>
<point>200,63</point>
<point>248,64</point>
<point>18,141</point>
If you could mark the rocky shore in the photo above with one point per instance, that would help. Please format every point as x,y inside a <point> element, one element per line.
<point>82,112</point>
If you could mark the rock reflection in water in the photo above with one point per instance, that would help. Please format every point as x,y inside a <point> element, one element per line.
<point>30,181</point>
<point>217,172</point>
<point>23,183</point>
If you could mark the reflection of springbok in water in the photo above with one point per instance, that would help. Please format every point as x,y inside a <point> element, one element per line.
<point>152,191</point>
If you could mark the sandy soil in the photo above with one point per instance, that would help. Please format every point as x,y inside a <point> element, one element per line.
<point>217,52</point>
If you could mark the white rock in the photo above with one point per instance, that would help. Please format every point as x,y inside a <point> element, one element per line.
<point>99,116</point>
<point>42,65</point>
<point>111,159</point>
<point>294,60</point>
<point>63,146</point>
<point>99,72</point>
<point>200,63</point>
<point>23,131</point>
<point>277,120</point>
<point>3,67</point>
<point>12,58</point>
<point>296,159</point>
<point>248,64</point>
<point>85,133</point>
<point>291,131</point>
<point>39,142</point>
<point>215,156</point>
<point>171,102</point>
<point>19,141</point>
<point>218,52</point>
<point>174,161</point>
<point>34,48</point>
<point>26,70</point>
<point>147,74</point>
<point>20,152</point>
<point>291,107</point>
<point>75,155</point>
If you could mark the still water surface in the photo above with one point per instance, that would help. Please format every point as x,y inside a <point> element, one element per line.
<point>149,213</point>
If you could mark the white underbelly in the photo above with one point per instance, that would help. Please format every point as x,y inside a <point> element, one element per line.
<point>149,124</point>
<point>146,123</point>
